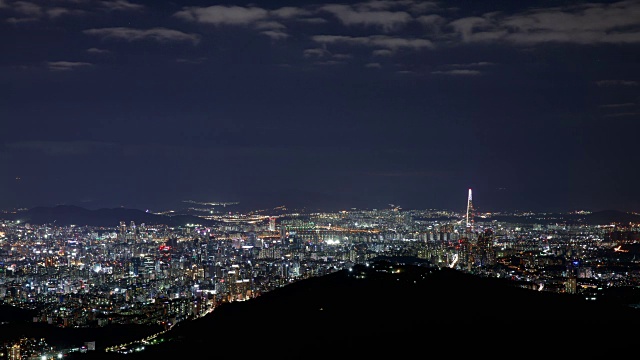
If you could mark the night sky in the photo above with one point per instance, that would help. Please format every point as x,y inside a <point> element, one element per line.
<point>144,104</point>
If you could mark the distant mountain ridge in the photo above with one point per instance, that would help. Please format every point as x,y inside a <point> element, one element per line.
<point>604,217</point>
<point>610,216</point>
<point>64,215</point>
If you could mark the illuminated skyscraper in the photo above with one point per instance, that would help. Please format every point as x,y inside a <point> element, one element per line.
<point>485,256</point>
<point>470,213</point>
<point>123,231</point>
<point>14,352</point>
<point>133,231</point>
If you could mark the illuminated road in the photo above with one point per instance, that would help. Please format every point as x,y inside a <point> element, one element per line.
<point>139,345</point>
<point>454,262</point>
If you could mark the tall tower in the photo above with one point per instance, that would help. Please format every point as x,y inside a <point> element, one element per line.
<point>470,213</point>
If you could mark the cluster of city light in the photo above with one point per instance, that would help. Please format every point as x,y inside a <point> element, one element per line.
<point>48,357</point>
<point>347,224</point>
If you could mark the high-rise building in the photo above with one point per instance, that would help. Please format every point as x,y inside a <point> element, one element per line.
<point>14,352</point>
<point>136,264</point>
<point>484,248</point>
<point>132,232</point>
<point>571,284</point>
<point>123,231</point>
<point>470,213</point>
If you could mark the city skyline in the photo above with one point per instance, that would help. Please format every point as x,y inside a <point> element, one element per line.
<point>79,285</point>
<point>328,105</point>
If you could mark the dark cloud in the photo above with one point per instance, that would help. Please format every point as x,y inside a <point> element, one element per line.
<point>25,11</point>
<point>66,65</point>
<point>155,34</point>
<point>617,83</point>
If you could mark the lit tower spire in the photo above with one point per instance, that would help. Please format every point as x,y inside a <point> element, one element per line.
<point>470,213</point>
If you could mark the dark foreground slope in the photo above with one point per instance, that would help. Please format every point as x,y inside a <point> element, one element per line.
<point>401,312</point>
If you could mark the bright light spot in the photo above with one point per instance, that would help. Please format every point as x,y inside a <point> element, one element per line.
<point>60,356</point>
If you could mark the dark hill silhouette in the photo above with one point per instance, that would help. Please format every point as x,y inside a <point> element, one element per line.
<point>607,217</point>
<point>10,313</point>
<point>380,312</point>
<point>64,215</point>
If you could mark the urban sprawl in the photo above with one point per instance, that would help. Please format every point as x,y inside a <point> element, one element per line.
<point>84,276</point>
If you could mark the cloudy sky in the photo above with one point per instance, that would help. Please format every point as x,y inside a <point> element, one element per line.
<point>145,104</point>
